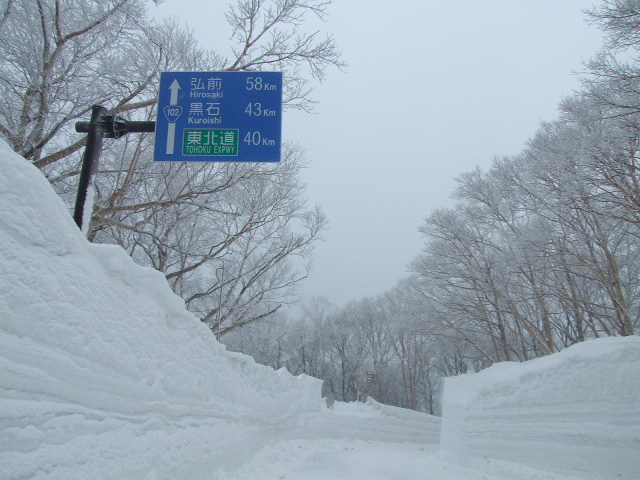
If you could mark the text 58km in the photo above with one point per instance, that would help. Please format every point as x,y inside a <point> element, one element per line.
<point>256,83</point>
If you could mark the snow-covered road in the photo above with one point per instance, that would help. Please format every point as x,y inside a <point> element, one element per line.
<point>350,460</point>
<point>370,460</point>
<point>346,444</point>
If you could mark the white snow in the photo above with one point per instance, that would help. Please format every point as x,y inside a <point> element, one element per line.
<point>104,374</point>
<point>102,370</point>
<point>575,412</point>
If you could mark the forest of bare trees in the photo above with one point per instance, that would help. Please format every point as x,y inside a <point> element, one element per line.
<point>539,252</point>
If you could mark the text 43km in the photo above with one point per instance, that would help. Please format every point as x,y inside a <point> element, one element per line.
<point>257,110</point>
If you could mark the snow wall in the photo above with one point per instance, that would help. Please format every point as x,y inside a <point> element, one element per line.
<point>91,344</point>
<point>371,420</point>
<point>575,412</point>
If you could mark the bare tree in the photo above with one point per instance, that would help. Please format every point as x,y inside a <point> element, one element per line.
<point>61,57</point>
<point>268,35</point>
<point>226,236</point>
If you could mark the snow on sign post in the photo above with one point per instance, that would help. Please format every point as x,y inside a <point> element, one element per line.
<point>219,117</point>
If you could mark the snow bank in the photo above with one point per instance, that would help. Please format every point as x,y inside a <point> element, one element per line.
<point>371,421</point>
<point>100,363</point>
<point>576,412</point>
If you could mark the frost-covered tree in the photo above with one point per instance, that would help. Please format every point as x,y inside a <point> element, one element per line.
<point>541,250</point>
<point>224,235</point>
<point>613,79</point>
<point>534,256</point>
<point>61,57</point>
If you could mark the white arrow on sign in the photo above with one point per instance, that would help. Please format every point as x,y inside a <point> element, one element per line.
<point>171,129</point>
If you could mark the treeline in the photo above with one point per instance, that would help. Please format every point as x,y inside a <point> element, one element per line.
<point>539,252</point>
<point>371,347</point>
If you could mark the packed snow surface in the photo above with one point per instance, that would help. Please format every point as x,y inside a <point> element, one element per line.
<point>105,375</point>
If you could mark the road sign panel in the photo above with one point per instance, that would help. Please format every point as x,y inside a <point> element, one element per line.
<point>219,117</point>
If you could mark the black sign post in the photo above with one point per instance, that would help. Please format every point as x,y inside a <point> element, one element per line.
<point>100,126</point>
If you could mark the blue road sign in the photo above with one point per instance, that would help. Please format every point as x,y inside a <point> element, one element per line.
<point>219,117</point>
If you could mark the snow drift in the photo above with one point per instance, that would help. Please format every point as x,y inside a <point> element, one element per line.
<point>91,342</point>
<point>575,412</point>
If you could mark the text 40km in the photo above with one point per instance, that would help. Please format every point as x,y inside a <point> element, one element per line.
<point>256,138</point>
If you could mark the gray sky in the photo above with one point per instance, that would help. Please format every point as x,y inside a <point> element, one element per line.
<point>433,88</point>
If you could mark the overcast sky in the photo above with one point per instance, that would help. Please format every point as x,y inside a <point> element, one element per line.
<point>433,88</point>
